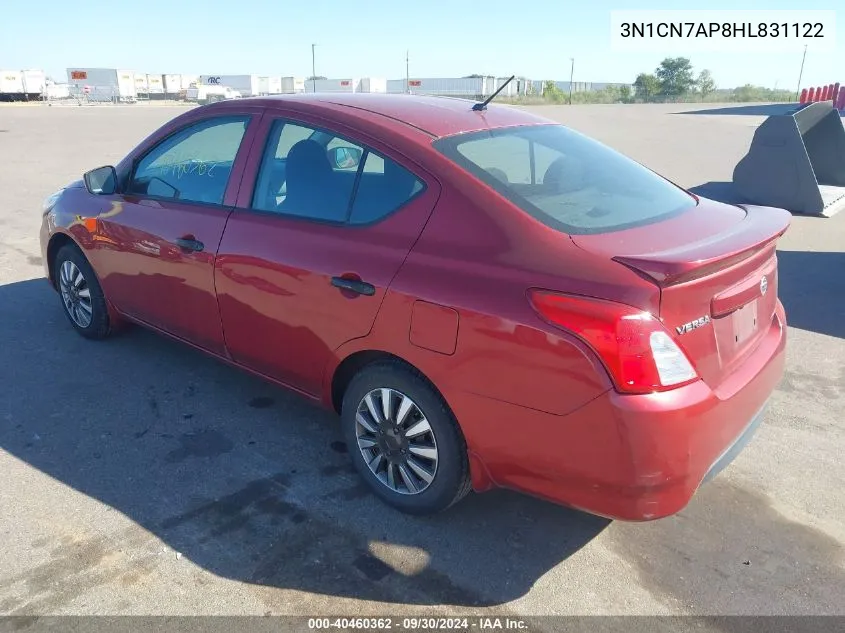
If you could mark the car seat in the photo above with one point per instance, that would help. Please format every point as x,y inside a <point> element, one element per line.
<point>309,183</point>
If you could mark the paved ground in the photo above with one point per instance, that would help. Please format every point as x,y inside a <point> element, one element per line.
<point>141,477</point>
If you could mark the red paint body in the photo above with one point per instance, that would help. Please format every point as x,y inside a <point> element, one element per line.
<point>451,269</point>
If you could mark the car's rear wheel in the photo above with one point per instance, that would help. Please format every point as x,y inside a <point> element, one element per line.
<point>403,439</point>
<point>82,297</point>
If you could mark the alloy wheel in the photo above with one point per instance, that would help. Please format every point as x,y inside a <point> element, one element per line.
<point>76,294</point>
<point>396,441</point>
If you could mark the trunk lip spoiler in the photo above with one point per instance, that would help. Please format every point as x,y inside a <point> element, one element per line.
<point>699,259</point>
<point>735,297</point>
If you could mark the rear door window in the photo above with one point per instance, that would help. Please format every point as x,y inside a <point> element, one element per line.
<point>566,180</point>
<point>313,173</point>
<point>297,176</point>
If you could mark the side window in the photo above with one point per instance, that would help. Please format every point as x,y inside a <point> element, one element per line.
<point>306,172</point>
<point>192,165</point>
<point>311,173</point>
<point>289,135</point>
<point>384,186</point>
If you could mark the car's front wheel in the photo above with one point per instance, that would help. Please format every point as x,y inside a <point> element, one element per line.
<point>82,297</point>
<point>403,439</point>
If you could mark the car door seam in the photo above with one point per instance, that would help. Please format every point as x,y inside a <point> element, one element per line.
<point>214,282</point>
<point>256,129</point>
<point>413,245</point>
<point>389,284</point>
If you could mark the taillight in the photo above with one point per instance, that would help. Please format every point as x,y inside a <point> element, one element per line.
<point>637,350</point>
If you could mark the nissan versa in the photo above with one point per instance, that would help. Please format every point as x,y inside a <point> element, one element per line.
<point>486,297</point>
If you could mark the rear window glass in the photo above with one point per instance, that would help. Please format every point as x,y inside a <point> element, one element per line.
<point>566,180</point>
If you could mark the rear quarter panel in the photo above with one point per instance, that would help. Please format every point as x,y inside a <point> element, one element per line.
<point>479,255</point>
<point>479,259</point>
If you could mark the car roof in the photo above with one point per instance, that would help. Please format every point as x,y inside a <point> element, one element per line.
<point>436,116</point>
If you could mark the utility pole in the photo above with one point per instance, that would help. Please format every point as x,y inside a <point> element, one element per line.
<point>571,75</point>
<point>801,74</point>
<point>313,68</point>
<point>407,72</point>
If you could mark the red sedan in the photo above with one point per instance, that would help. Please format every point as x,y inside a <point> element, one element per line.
<point>486,297</point>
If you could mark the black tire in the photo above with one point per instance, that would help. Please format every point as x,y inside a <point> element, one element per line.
<point>99,326</point>
<point>451,480</point>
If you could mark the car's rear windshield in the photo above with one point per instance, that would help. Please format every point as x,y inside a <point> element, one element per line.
<point>566,180</point>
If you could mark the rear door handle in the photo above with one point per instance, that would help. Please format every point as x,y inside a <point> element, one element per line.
<point>190,244</point>
<point>354,285</point>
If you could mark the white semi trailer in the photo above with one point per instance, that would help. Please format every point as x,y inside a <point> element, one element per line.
<point>246,85</point>
<point>22,85</point>
<point>202,93</point>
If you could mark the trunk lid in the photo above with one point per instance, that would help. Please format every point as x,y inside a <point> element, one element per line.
<point>716,268</point>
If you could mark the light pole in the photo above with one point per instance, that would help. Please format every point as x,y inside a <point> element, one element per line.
<point>801,74</point>
<point>313,68</point>
<point>407,73</point>
<point>571,75</point>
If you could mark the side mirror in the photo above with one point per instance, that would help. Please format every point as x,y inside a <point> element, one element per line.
<point>101,181</point>
<point>345,157</point>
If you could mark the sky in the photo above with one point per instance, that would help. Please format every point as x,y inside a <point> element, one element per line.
<point>444,38</point>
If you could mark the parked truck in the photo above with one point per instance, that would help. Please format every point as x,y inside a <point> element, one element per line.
<point>34,84</point>
<point>155,85</point>
<point>332,85</point>
<point>22,85</point>
<point>372,84</point>
<point>202,93</point>
<point>142,87</point>
<point>468,87</point>
<point>270,85</point>
<point>173,85</point>
<point>246,85</point>
<point>11,85</point>
<point>292,85</point>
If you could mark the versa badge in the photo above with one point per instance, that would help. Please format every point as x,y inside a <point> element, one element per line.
<point>693,325</point>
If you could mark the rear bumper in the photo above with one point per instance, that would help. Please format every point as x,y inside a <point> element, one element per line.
<point>621,456</point>
<point>736,447</point>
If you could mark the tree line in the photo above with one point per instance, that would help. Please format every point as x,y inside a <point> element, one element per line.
<point>674,80</point>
